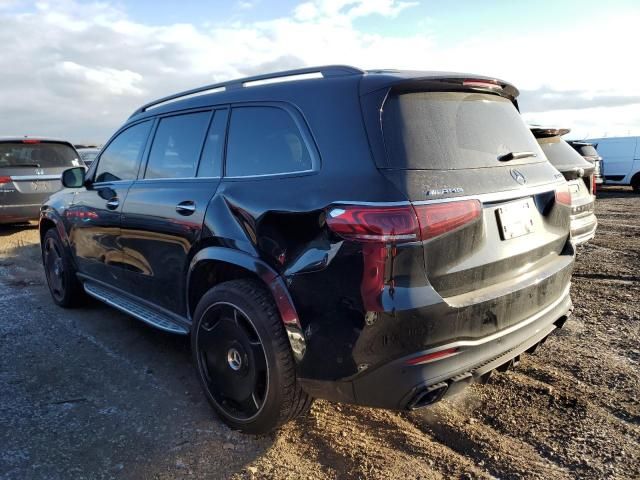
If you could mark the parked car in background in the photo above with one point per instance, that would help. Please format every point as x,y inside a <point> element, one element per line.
<point>580,176</point>
<point>88,154</point>
<point>620,160</point>
<point>590,154</point>
<point>30,170</point>
<point>382,238</point>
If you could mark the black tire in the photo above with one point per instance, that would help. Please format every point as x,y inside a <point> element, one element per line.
<point>64,286</point>
<point>234,323</point>
<point>635,184</point>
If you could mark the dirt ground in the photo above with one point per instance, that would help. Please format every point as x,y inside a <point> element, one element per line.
<point>91,393</point>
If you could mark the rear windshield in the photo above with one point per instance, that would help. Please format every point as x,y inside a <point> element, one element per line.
<point>586,150</point>
<point>88,156</point>
<point>561,154</point>
<point>453,130</point>
<point>39,155</point>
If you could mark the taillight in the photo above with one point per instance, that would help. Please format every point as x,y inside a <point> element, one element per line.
<point>397,224</point>
<point>30,140</point>
<point>563,196</point>
<point>374,224</point>
<point>438,218</point>
<point>5,180</point>
<point>380,227</point>
<point>593,184</point>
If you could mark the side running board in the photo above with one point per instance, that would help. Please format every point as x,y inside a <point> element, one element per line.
<point>126,304</point>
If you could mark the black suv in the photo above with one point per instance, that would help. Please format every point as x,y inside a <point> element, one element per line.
<point>381,238</point>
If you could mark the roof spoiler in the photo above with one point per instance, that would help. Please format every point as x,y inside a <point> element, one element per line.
<point>544,132</point>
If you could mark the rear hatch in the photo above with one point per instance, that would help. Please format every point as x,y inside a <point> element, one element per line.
<point>447,149</point>
<point>31,169</point>
<point>578,171</point>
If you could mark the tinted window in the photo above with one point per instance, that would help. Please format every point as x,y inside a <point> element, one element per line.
<point>119,161</point>
<point>586,150</point>
<point>88,156</point>
<point>211,162</point>
<point>265,140</point>
<point>39,155</point>
<point>176,146</point>
<point>453,130</point>
<point>561,154</point>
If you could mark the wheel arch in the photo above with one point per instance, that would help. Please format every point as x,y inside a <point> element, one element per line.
<point>213,265</point>
<point>48,220</point>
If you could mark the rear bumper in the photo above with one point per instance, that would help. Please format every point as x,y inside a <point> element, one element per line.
<point>19,213</point>
<point>583,228</point>
<point>398,385</point>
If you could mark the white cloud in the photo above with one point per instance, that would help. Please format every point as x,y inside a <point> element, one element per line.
<point>78,70</point>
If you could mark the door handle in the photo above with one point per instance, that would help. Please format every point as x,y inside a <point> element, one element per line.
<point>185,208</point>
<point>113,203</point>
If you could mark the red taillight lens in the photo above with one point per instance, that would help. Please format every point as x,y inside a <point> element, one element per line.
<point>30,140</point>
<point>593,184</point>
<point>374,224</point>
<point>401,224</point>
<point>5,180</point>
<point>430,357</point>
<point>438,218</point>
<point>563,196</point>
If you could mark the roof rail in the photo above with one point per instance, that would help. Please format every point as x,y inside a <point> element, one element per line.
<point>324,71</point>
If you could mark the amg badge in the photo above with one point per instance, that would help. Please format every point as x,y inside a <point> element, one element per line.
<point>443,191</point>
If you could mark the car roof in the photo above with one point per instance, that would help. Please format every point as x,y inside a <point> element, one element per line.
<point>279,82</point>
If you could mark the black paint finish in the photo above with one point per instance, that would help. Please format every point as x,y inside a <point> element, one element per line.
<point>169,240</point>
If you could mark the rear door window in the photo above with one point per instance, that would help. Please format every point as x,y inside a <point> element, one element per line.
<point>176,146</point>
<point>121,159</point>
<point>265,140</point>
<point>453,130</point>
<point>38,155</point>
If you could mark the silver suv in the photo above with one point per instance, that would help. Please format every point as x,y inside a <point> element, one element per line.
<point>30,170</point>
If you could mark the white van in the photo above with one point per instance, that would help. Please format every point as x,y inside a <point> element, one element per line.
<point>620,160</point>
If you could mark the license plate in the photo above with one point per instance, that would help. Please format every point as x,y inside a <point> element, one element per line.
<point>516,219</point>
<point>40,186</point>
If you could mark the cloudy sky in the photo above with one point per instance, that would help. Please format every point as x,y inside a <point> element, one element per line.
<point>77,69</point>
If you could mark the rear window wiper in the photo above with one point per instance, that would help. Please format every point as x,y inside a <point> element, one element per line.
<point>515,156</point>
<point>20,165</point>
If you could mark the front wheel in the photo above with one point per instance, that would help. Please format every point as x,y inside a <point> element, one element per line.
<point>243,358</point>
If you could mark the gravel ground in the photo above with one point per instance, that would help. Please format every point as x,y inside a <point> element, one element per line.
<point>92,393</point>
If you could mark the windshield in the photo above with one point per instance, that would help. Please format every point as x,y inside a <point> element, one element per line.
<point>39,155</point>
<point>454,130</point>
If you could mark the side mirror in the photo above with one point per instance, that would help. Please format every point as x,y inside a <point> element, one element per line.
<point>73,177</point>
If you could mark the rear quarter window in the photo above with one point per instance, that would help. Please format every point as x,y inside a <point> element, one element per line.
<point>453,130</point>
<point>265,140</point>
